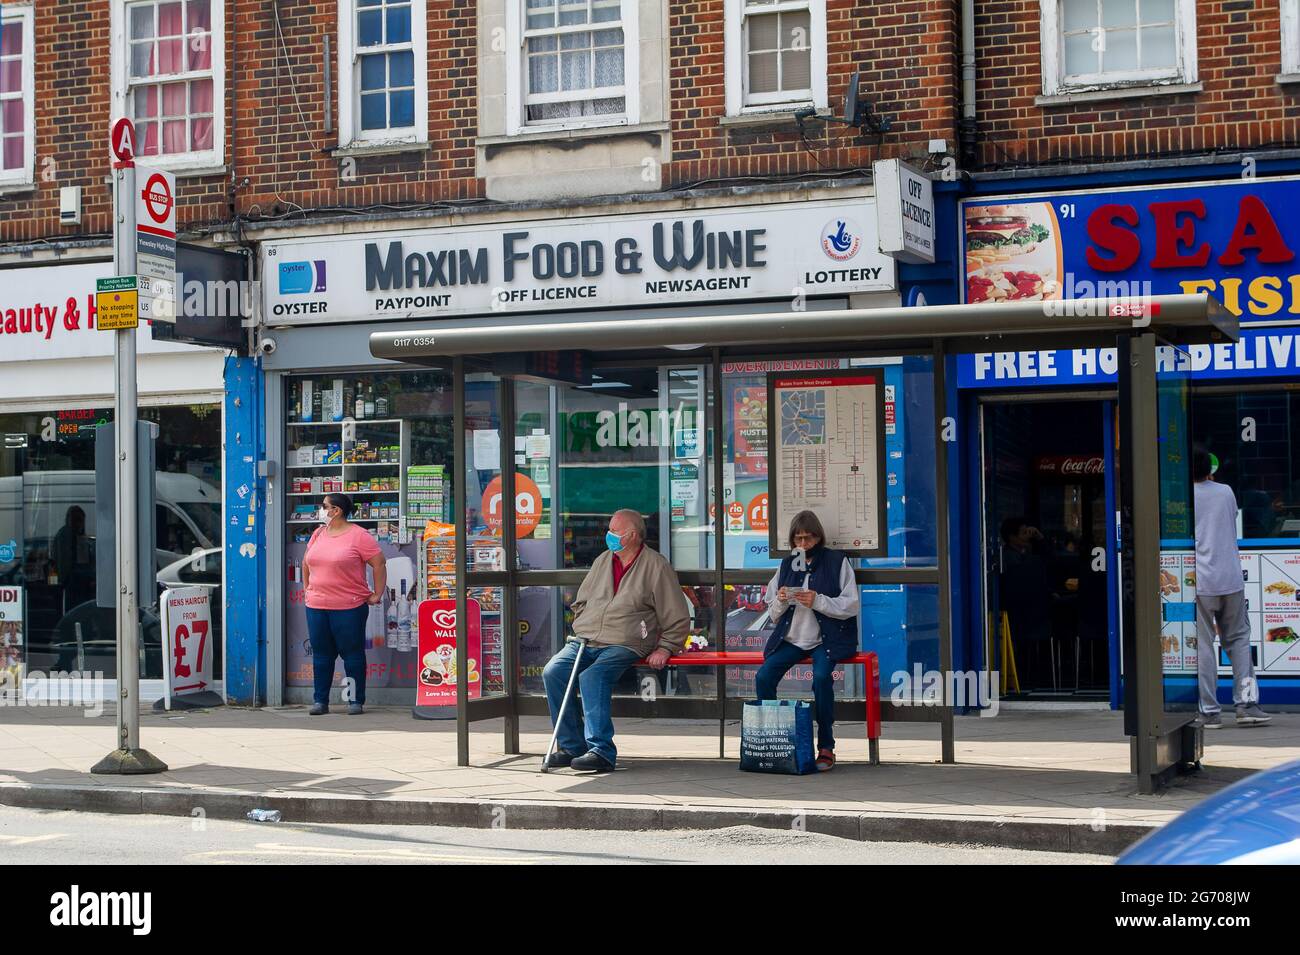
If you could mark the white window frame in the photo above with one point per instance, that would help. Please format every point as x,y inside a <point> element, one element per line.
<point>737,100</point>
<point>350,131</point>
<point>1053,55</point>
<point>25,175</point>
<point>195,161</point>
<point>1290,15</point>
<point>516,75</point>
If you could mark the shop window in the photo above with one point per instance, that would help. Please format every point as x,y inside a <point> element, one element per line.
<point>775,54</point>
<point>1090,44</point>
<point>169,76</point>
<point>49,536</point>
<point>576,63</point>
<point>383,65</point>
<point>17,109</point>
<point>1252,435</point>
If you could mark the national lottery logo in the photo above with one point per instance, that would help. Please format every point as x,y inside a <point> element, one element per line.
<point>300,278</point>
<point>841,239</point>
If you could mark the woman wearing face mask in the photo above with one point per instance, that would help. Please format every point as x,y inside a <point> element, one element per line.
<point>813,598</point>
<point>334,577</point>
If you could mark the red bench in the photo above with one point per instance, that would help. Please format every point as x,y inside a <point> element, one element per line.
<point>702,658</point>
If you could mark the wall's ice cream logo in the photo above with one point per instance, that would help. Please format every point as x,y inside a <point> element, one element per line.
<point>841,239</point>
<point>298,278</point>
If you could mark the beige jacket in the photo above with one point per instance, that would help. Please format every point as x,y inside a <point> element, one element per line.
<point>648,612</point>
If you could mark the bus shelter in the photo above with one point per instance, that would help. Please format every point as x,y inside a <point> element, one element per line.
<point>530,362</point>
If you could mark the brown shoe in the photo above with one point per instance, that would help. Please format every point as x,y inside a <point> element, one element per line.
<point>825,760</point>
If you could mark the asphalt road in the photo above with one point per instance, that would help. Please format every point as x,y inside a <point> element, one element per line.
<point>36,837</point>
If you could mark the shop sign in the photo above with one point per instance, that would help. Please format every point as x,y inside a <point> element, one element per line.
<point>1227,239</point>
<point>905,199</point>
<point>50,312</point>
<point>723,255</point>
<point>1224,238</point>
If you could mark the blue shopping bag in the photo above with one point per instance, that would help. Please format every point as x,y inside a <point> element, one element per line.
<point>776,736</point>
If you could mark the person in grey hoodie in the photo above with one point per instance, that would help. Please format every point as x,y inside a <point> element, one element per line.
<point>630,606</point>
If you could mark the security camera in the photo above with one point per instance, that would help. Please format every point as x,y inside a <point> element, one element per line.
<point>267,346</point>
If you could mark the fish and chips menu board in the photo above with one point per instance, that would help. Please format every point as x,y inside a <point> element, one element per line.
<point>1272,590</point>
<point>825,455</point>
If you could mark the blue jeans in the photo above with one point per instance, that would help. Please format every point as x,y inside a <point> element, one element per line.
<point>338,633</point>
<point>775,667</point>
<point>598,671</point>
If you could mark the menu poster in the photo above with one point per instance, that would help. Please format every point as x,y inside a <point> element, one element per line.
<point>1279,617</point>
<point>1271,582</point>
<point>825,455</point>
<point>1177,611</point>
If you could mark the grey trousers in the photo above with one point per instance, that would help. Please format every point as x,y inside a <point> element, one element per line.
<point>1228,614</point>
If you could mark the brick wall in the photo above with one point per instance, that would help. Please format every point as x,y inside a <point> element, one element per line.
<point>72,120</point>
<point>283,148</point>
<point>905,52</point>
<point>1241,107</point>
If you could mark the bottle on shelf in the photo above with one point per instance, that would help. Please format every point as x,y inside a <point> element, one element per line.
<point>381,403</point>
<point>404,620</point>
<point>360,408</point>
<point>316,410</point>
<point>370,401</point>
<point>390,618</point>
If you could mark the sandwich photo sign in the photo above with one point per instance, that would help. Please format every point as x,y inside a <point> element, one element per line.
<point>1013,252</point>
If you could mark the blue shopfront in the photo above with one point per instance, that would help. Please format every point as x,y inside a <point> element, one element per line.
<point>1036,513</point>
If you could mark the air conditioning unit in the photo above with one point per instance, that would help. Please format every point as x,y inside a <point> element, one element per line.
<point>70,205</point>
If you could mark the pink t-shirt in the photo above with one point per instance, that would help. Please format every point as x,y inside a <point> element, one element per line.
<point>337,565</point>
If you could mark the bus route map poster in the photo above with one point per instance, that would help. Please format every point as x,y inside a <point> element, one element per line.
<point>825,455</point>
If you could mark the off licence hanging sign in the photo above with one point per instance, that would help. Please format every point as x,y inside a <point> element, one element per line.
<point>116,303</point>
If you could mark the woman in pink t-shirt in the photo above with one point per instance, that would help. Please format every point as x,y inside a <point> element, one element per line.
<point>338,599</point>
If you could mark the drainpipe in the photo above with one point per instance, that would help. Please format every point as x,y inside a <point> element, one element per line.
<point>967,128</point>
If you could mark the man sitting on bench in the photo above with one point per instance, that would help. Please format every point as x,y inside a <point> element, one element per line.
<point>629,606</point>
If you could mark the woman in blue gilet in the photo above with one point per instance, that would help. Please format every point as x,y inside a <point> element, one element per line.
<point>813,598</point>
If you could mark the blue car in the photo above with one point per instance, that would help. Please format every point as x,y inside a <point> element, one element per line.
<point>1252,822</point>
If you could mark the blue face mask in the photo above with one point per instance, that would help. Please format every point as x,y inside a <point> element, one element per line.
<point>613,541</point>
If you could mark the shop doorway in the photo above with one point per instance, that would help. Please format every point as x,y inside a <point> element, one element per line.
<point>1048,516</point>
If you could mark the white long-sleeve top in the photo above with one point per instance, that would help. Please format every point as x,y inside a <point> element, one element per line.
<point>804,631</point>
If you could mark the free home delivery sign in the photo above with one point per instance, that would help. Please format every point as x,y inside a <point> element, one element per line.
<point>779,251</point>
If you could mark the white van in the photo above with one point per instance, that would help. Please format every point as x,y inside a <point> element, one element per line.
<point>34,505</point>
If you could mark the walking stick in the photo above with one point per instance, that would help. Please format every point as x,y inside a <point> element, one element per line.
<point>568,692</point>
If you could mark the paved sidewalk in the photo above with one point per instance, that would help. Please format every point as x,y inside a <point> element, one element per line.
<point>1022,767</point>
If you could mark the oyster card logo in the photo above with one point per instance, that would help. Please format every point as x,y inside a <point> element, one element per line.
<point>841,239</point>
<point>300,278</point>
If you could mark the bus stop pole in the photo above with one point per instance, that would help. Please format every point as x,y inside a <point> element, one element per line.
<point>128,758</point>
